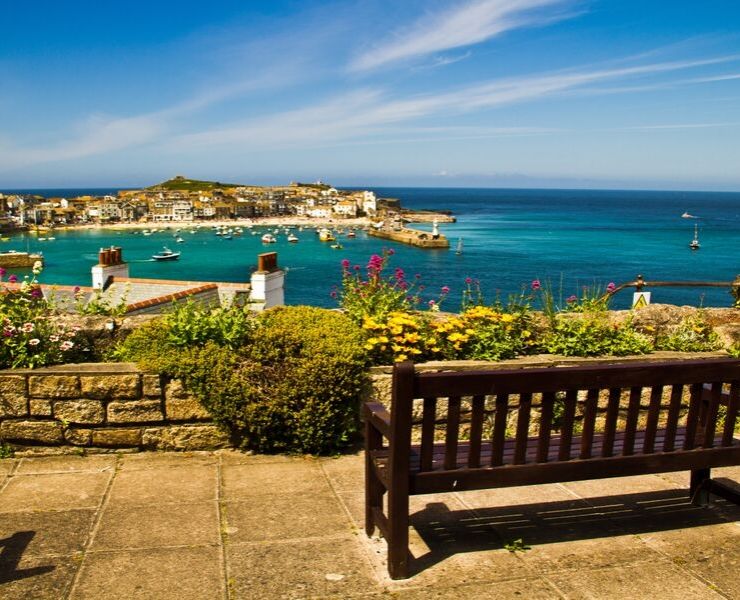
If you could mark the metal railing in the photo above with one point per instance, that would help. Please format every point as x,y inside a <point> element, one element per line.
<point>640,282</point>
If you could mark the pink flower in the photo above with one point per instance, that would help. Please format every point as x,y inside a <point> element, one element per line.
<point>571,299</point>
<point>345,264</point>
<point>536,285</point>
<point>611,287</point>
<point>333,294</point>
<point>431,303</point>
<point>390,252</point>
<point>445,289</point>
<point>468,280</point>
<point>2,271</point>
<point>13,278</point>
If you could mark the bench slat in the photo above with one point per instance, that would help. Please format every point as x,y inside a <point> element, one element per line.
<point>656,396</point>
<point>692,419</point>
<point>543,443</point>
<point>522,428</point>
<point>589,422</point>
<point>427,433</point>
<point>566,431</point>
<point>633,412</point>
<point>732,410</point>
<point>476,431</point>
<point>610,424</point>
<point>710,418</point>
<point>499,430</point>
<point>672,422</point>
<point>452,432</point>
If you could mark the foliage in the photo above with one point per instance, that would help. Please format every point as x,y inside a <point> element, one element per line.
<point>693,334</point>
<point>290,381</point>
<point>31,337</point>
<point>98,304</point>
<point>594,335</point>
<point>376,294</point>
<point>6,451</point>
<point>517,546</point>
<point>735,293</point>
<point>734,350</point>
<point>192,324</point>
<point>590,299</point>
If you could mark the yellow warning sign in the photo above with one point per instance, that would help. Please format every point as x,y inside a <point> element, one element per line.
<point>640,299</point>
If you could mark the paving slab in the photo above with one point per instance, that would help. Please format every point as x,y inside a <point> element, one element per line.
<point>66,464</point>
<point>654,579</point>
<point>49,533</point>
<point>6,466</point>
<point>284,517</point>
<point>712,552</point>
<point>300,476</point>
<point>325,568</point>
<point>37,578</point>
<point>53,491</point>
<point>165,485</point>
<point>346,473</point>
<point>517,589</point>
<point>142,461</point>
<point>182,573</point>
<point>157,526</point>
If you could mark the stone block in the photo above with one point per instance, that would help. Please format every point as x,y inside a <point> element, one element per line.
<point>45,432</point>
<point>137,411</point>
<point>185,437</point>
<point>54,386</point>
<point>111,386</point>
<point>40,407</point>
<point>88,412</point>
<point>185,409</point>
<point>151,385</point>
<point>78,437</point>
<point>13,402</point>
<point>129,437</point>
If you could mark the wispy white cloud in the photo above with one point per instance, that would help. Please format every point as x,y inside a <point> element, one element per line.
<point>368,112</point>
<point>466,24</point>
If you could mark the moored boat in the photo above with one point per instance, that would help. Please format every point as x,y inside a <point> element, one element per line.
<point>166,254</point>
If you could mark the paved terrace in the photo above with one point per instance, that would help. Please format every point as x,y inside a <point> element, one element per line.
<point>228,525</point>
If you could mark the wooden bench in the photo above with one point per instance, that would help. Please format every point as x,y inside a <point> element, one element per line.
<point>614,420</point>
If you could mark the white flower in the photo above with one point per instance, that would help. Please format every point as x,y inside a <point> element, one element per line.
<point>66,345</point>
<point>28,327</point>
<point>34,342</point>
<point>37,267</point>
<point>53,338</point>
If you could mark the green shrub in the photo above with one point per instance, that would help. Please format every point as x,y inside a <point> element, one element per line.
<point>293,385</point>
<point>593,335</point>
<point>693,334</point>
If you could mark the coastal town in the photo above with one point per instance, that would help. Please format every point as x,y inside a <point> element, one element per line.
<point>186,200</point>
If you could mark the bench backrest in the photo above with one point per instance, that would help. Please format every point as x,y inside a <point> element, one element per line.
<point>646,407</point>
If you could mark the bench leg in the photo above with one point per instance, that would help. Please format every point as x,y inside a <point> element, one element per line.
<point>373,487</point>
<point>398,535</point>
<point>698,488</point>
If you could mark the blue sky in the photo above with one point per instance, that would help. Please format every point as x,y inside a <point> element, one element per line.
<point>490,93</point>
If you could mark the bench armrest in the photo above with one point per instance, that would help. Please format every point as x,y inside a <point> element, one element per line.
<point>377,416</point>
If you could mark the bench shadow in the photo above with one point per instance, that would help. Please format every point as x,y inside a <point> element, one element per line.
<point>446,532</point>
<point>13,548</point>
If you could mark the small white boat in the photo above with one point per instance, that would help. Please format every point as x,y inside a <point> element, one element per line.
<point>268,238</point>
<point>337,247</point>
<point>179,240</point>
<point>459,249</point>
<point>686,215</point>
<point>351,233</point>
<point>694,244</point>
<point>166,254</point>
<point>292,238</point>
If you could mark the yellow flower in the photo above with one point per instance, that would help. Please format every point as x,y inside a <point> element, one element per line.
<point>507,317</point>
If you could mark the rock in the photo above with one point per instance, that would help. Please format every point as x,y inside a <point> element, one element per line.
<point>129,437</point>
<point>78,437</point>
<point>152,385</point>
<point>40,407</point>
<point>185,437</point>
<point>185,409</point>
<point>88,412</point>
<point>54,386</point>
<point>111,386</point>
<point>138,411</point>
<point>13,401</point>
<point>43,432</point>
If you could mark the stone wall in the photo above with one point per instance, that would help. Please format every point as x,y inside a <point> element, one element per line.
<point>102,406</point>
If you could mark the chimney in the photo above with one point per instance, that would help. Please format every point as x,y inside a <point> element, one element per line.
<point>268,281</point>
<point>110,264</point>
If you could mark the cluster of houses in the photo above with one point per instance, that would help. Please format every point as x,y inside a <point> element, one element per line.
<point>165,203</point>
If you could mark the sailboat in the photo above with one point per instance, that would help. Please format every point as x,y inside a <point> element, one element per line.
<point>694,244</point>
<point>459,248</point>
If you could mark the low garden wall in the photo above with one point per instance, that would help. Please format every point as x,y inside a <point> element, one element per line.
<point>101,406</point>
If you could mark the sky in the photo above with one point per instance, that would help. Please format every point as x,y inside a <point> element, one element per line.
<point>620,94</point>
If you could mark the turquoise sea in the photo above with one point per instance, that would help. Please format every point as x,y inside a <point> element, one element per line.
<point>570,238</point>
